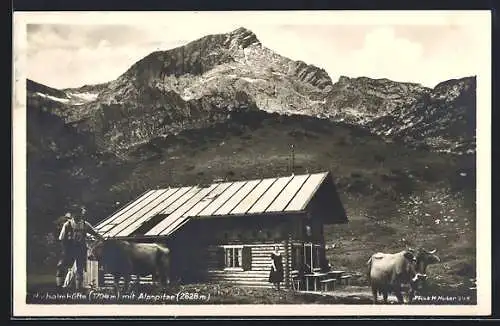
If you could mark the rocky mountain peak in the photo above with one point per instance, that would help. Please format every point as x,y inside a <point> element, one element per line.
<point>451,89</point>
<point>183,87</point>
<point>313,75</point>
<point>464,82</point>
<point>243,37</point>
<point>343,80</point>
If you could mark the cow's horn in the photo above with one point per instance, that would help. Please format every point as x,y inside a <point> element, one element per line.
<point>433,251</point>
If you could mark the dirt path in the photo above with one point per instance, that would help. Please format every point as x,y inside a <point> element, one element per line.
<point>362,294</point>
<point>41,290</point>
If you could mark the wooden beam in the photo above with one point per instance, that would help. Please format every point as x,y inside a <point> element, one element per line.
<point>287,260</point>
<point>141,237</point>
<point>279,214</point>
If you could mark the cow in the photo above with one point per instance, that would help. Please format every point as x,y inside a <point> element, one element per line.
<point>388,272</point>
<point>123,259</point>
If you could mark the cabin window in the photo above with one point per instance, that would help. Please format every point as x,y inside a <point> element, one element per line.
<point>237,257</point>
<point>233,257</point>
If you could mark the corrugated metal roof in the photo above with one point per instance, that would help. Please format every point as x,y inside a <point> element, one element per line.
<point>168,198</point>
<point>252,197</point>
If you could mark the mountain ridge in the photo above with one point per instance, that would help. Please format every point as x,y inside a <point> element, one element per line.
<point>200,83</point>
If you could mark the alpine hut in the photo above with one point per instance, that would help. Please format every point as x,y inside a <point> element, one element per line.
<point>226,231</point>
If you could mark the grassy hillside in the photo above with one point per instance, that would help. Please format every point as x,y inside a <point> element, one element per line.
<point>394,196</point>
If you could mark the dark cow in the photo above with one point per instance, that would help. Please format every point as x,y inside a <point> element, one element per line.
<point>123,259</point>
<point>423,258</point>
<point>388,272</point>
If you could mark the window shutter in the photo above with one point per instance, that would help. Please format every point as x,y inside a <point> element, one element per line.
<point>317,256</point>
<point>322,258</point>
<point>247,258</point>
<point>220,257</point>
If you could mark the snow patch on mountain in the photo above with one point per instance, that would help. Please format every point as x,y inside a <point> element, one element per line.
<point>53,98</point>
<point>86,96</point>
<point>253,80</point>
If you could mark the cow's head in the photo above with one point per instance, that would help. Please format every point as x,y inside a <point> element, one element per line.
<point>424,258</point>
<point>96,250</point>
<point>410,255</point>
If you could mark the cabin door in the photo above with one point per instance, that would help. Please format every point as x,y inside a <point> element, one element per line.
<point>312,257</point>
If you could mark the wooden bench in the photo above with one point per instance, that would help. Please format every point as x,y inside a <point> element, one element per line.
<point>325,284</point>
<point>296,281</point>
<point>345,279</point>
<point>335,274</point>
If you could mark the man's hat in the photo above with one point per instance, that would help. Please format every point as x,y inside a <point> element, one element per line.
<point>75,209</point>
<point>67,215</point>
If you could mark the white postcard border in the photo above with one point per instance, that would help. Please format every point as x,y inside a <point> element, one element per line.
<point>479,19</point>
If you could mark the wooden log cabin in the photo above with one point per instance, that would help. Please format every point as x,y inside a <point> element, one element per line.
<point>226,231</point>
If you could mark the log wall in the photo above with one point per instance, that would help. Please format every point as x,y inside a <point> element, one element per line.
<point>257,275</point>
<point>197,254</point>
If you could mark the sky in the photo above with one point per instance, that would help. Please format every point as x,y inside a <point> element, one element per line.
<point>70,55</point>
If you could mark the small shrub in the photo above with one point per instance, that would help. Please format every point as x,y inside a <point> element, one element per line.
<point>404,185</point>
<point>310,135</point>
<point>396,171</point>
<point>431,175</point>
<point>466,270</point>
<point>296,134</point>
<point>386,177</point>
<point>246,137</point>
<point>379,158</point>
<point>238,132</point>
<point>360,186</point>
<point>342,141</point>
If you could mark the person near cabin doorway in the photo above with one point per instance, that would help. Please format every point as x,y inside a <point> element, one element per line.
<point>73,238</point>
<point>276,273</point>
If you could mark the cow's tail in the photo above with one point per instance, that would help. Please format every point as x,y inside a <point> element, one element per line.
<point>369,268</point>
<point>158,264</point>
<point>160,259</point>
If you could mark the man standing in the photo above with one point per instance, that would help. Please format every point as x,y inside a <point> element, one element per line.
<point>74,247</point>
